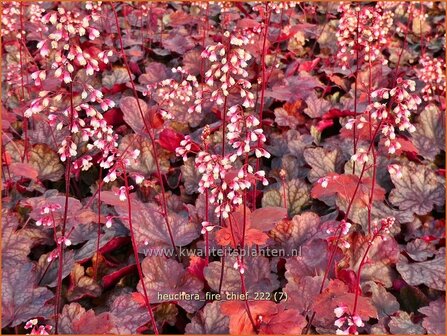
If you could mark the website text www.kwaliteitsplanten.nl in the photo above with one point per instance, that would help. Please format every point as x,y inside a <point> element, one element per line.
<point>223,251</point>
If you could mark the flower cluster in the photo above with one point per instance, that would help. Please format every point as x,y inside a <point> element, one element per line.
<point>173,92</point>
<point>392,109</point>
<point>242,134</point>
<point>432,74</point>
<point>395,170</point>
<point>382,227</point>
<point>48,214</point>
<point>62,47</point>
<point>361,156</point>
<point>362,29</point>
<point>227,184</point>
<point>227,72</point>
<point>239,265</point>
<point>11,18</point>
<point>346,322</point>
<point>36,329</point>
<point>340,233</point>
<point>67,26</point>
<point>275,7</point>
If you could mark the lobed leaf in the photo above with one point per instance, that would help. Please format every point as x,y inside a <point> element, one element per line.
<point>209,321</point>
<point>22,300</point>
<point>42,160</point>
<point>418,190</point>
<point>434,321</point>
<point>168,277</point>
<point>297,196</point>
<point>430,273</point>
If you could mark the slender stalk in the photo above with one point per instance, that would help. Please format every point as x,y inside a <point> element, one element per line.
<point>22,76</point>
<point>373,182</point>
<point>348,210</point>
<point>149,132</point>
<point>355,85</point>
<point>205,33</point>
<point>363,169</point>
<point>247,306</point>
<point>60,246</point>
<point>207,242</point>
<point>99,228</point>
<point>357,282</point>
<point>263,87</point>
<point>284,191</point>
<point>202,79</point>
<point>222,270</point>
<point>371,196</point>
<point>243,288</point>
<point>135,251</point>
<point>410,16</point>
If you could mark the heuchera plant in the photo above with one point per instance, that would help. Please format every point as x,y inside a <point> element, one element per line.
<point>223,167</point>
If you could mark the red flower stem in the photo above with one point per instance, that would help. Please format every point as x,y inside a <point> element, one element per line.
<point>202,77</point>
<point>242,9</point>
<point>333,251</point>
<point>421,15</point>
<point>224,125</point>
<point>410,16</point>
<point>135,251</point>
<point>243,288</point>
<point>5,160</point>
<point>222,270</point>
<point>374,166</point>
<point>373,182</point>
<point>61,250</point>
<point>321,32</point>
<point>247,306</point>
<point>224,117</point>
<point>207,242</point>
<point>149,132</point>
<point>263,87</point>
<point>277,49</point>
<point>205,33</point>
<point>149,22</point>
<point>355,85</point>
<point>357,282</point>
<point>95,269</point>
<point>284,192</point>
<point>24,119</point>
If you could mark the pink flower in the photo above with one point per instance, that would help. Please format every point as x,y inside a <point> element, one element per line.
<point>238,265</point>
<point>109,221</point>
<point>31,323</point>
<point>394,170</point>
<point>361,156</point>
<point>323,181</point>
<point>122,192</point>
<point>207,227</point>
<point>340,310</point>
